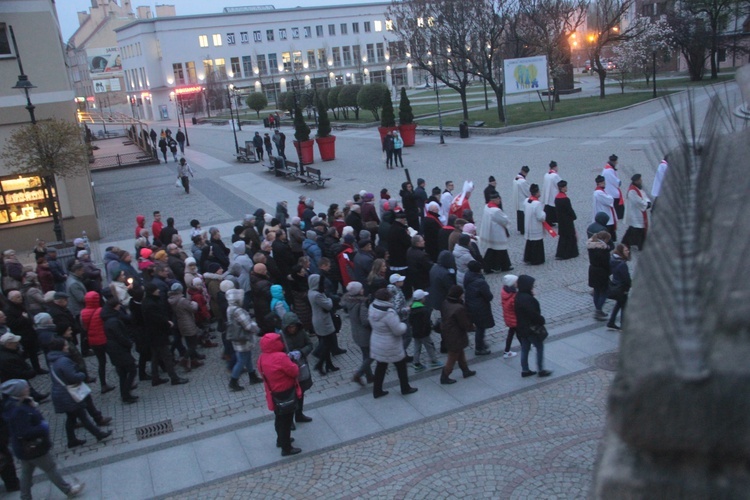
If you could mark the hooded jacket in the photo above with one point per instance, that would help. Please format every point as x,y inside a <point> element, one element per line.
<point>321,307</point>
<point>278,371</point>
<point>239,319</point>
<point>91,319</point>
<point>119,345</point>
<point>442,277</point>
<point>140,222</point>
<point>279,305</point>
<point>356,307</point>
<point>528,312</point>
<point>455,325</point>
<point>62,367</point>
<point>314,252</point>
<point>300,341</point>
<point>599,262</point>
<point>386,344</point>
<point>25,422</point>
<point>508,300</point>
<point>462,256</point>
<point>600,224</point>
<point>184,313</point>
<point>478,298</point>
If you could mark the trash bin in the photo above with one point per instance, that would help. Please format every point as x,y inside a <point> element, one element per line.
<point>195,121</point>
<point>463,130</point>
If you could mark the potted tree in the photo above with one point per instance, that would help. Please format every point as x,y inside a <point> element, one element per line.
<point>326,141</point>
<point>302,143</point>
<point>387,117</point>
<point>407,127</point>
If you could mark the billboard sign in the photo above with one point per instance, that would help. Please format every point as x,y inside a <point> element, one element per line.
<point>107,85</point>
<point>106,60</point>
<point>527,74</point>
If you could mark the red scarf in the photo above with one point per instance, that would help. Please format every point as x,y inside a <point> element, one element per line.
<point>552,171</point>
<point>561,195</point>
<point>533,198</point>
<point>545,224</point>
<point>610,167</point>
<point>633,187</point>
<point>611,209</point>
<point>492,204</point>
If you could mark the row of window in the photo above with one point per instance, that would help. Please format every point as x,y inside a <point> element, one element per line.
<point>135,79</point>
<point>313,59</point>
<point>131,50</point>
<point>306,32</point>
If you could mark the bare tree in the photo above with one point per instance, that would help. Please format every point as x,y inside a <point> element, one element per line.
<point>690,35</point>
<point>605,21</point>
<point>716,13</point>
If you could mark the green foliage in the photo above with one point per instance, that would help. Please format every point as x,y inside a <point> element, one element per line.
<point>285,101</point>
<point>257,101</point>
<point>348,97</point>
<point>333,97</point>
<point>307,98</point>
<point>324,124</point>
<point>371,98</point>
<point>301,130</point>
<point>388,119</point>
<point>405,114</point>
<point>323,96</point>
<point>51,147</point>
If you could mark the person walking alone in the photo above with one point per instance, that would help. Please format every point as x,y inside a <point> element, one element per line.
<point>183,170</point>
<point>398,147</point>
<point>528,317</point>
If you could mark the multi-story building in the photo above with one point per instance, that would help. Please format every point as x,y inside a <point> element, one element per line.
<point>259,49</point>
<point>24,208</point>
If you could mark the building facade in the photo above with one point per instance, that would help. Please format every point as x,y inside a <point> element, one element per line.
<point>258,49</point>
<point>24,208</point>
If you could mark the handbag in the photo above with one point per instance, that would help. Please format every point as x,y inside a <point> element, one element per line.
<point>35,447</point>
<point>285,402</point>
<point>539,331</point>
<point>78,392</point>
<point>178,182</point>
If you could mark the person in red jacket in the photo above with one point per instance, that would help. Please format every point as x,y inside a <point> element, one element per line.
<point>140,221</point>
<point>508,301</point>
<point>345,259</point>
<point>279,374</point>
<point>301,206</point>
<point>93,325</point>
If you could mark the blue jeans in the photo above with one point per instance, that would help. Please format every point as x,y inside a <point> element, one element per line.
<point>366,367</point>
<point>600,297</point>
<point>526,343</point>
<point>244,358</point>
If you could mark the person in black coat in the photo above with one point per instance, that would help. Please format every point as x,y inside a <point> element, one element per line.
<point>529,314</point>
<point>12,364</point>
<point>442,278</point>
<point>119,347</point>
<point>398,243</point>
<point>216,250</point>
<point>567,244</point>
<point>418,263</point>
<point>431,227</point>
<point>490,189</point>
<point>599,247</point>
<point>20,323</point>
<point>354,219</point>
<point>282,254</point>
<point>409,202</point>
<point>158,328</point>
<point>478,299</point>
<point>163,147</point>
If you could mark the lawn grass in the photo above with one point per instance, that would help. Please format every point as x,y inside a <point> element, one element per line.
<point>671,83</point>
<point>519,114</point>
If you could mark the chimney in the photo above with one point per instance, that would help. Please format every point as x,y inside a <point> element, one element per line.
<point>165,11</point>
<point>144,12</point>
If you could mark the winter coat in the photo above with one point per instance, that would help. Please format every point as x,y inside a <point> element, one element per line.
<point>419,319</point>
<point>201,314</point>
<point>598,264</point>
<point>384,228</point>
<point>386,344</point>
<point>156,321</point>
<point>600,224</point>
<point>237,316</point>
<point>296,238</point>
<point>45,277</point>
<point>442,278</point>
<point>33,299</point>
<point>260,289</point>
<point>77,291</point>
<point>369,213</point>
<point>355,221</point>
<point>119,344</point>
<point>314,252</point>
<point>478,298</point>
<point>462,256</point>
<point>399,243</point>
<point>321,307</point>
<point>21,324</point>
<point>12,275</point>
<point>184,313</point>
<point>57,268</point>
<point>91,320</point>
<point>362,265</point>
<point>493,232</point>
<point>279,305</point>
<point>24,422</point>
<point>63,319</point>
<point>345,260</point>
<point>140,222</point>
<point>62,367</point>
<point>620,272</point>
<point>455,325</point>
<point>418,264</point>
<point>300,341</point>
<point>282,254</point>
<point>508,301</point>
<point>431,227</point>
<point>278,371</point>
<point>13,365</point>
<point>357,308</point>
<point>399,302</point>
<point>528,311</point>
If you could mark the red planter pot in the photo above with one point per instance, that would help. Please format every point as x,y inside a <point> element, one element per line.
<point>385,130</point>
<point>327,147</point>
<point>306,151</point>
<point>408,133</point>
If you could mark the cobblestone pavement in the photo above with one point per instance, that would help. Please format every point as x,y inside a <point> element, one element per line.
<point>539,443</point>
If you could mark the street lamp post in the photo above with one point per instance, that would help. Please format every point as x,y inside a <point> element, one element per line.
<point>184,123</point>
<point>24,84</point>
<point>231,114</point>
<point>653,53</point>
<point>437,96</point>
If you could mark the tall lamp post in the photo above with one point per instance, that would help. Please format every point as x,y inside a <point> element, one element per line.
<point>231,114</point>
<point>24,84</point>
<point>653,53</point>
<point>437,95</point>
<point>175,98</point>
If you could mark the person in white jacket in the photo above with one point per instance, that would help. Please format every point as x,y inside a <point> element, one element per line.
<point>533,254</point>
<point>549,191</point>
<point>636,213</point>
<point>494,235</point>
<point>520,193</point>
<point>603,202</point>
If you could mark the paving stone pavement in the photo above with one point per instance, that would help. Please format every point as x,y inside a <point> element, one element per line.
<point>538,443</point>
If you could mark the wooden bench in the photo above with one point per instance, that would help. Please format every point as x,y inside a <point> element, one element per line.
<point>340,126</point>
<point>247,155</point>
<point>288,169</point>
<point>312,177</point>
<point>431,131</point>
<point>219,122</point>
<point>477,124</point>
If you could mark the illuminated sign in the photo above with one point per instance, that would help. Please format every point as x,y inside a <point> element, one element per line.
<point>188,90</point>
<point>90,98</point>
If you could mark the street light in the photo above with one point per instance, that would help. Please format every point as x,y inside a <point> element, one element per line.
<point>24,84</point>
<point>654,46</point>
<point>233,94</point>
<point>236,144</point>
<point>437,95</point>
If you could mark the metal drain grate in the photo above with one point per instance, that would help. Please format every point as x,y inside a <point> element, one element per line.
<point>608,361</point>
<point>153,430</point>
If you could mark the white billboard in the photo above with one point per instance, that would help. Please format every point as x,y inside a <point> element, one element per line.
<point>108,85</point>
<point>527,74</point>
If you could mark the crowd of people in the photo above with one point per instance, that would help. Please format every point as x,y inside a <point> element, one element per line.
<point>400,268</point>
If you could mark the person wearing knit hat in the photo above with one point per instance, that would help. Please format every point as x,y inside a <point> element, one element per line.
<point>176,288</point>
<point>455,324</point>
<point>146,253</point>
<point>491,188</point>
<point>26,424</point>
<point>535,217</point>
<point>161,255</point>
<point>508,301</point>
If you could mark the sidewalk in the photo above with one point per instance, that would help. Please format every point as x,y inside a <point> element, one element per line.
<point>220,450</point>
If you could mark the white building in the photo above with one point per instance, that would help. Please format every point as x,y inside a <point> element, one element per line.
<point>259,49</point>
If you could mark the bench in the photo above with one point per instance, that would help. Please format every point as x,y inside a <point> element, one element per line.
<point>219,122</point>
<point>247,155</point>
<point>340,127</point>
<point>312,177</point>
<point>289,168</point>
<point>477,124</point>
<point>432,131</point>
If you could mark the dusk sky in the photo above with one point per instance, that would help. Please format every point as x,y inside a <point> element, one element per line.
<point>67,9</point>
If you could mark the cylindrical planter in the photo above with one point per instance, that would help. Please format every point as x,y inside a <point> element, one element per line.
<point>408,133</point>
<point>306,152</point>
<point>385,130</point>
<point>327,147</point>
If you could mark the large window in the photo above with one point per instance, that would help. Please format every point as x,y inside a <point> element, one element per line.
<point>381,52</point>
<point>355,28</point>
<point>179,76</point>
<point>203,40</point>
<point>273,63</point>
<point>247,66</point>
<point>336,57</point>
<point>367,26</point>
<point>235,63</point>
<point>311,59</point>
<point>216,39</point>
<point>221,68</point>
<point>343,28</point>
<point>190,67</point>
<point>371,52</point>
<point>262,68</point>
<point>5,49</point>
<point>332,30</point>
<point>22,199</point>
<point>322,59</point>
<point>286,61</point>
<point>319,30</point>
<point>347,52</point>
<point>357,53</point>
<point>378,26</point>
<point>208,67</point>
<point>297,56</point>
